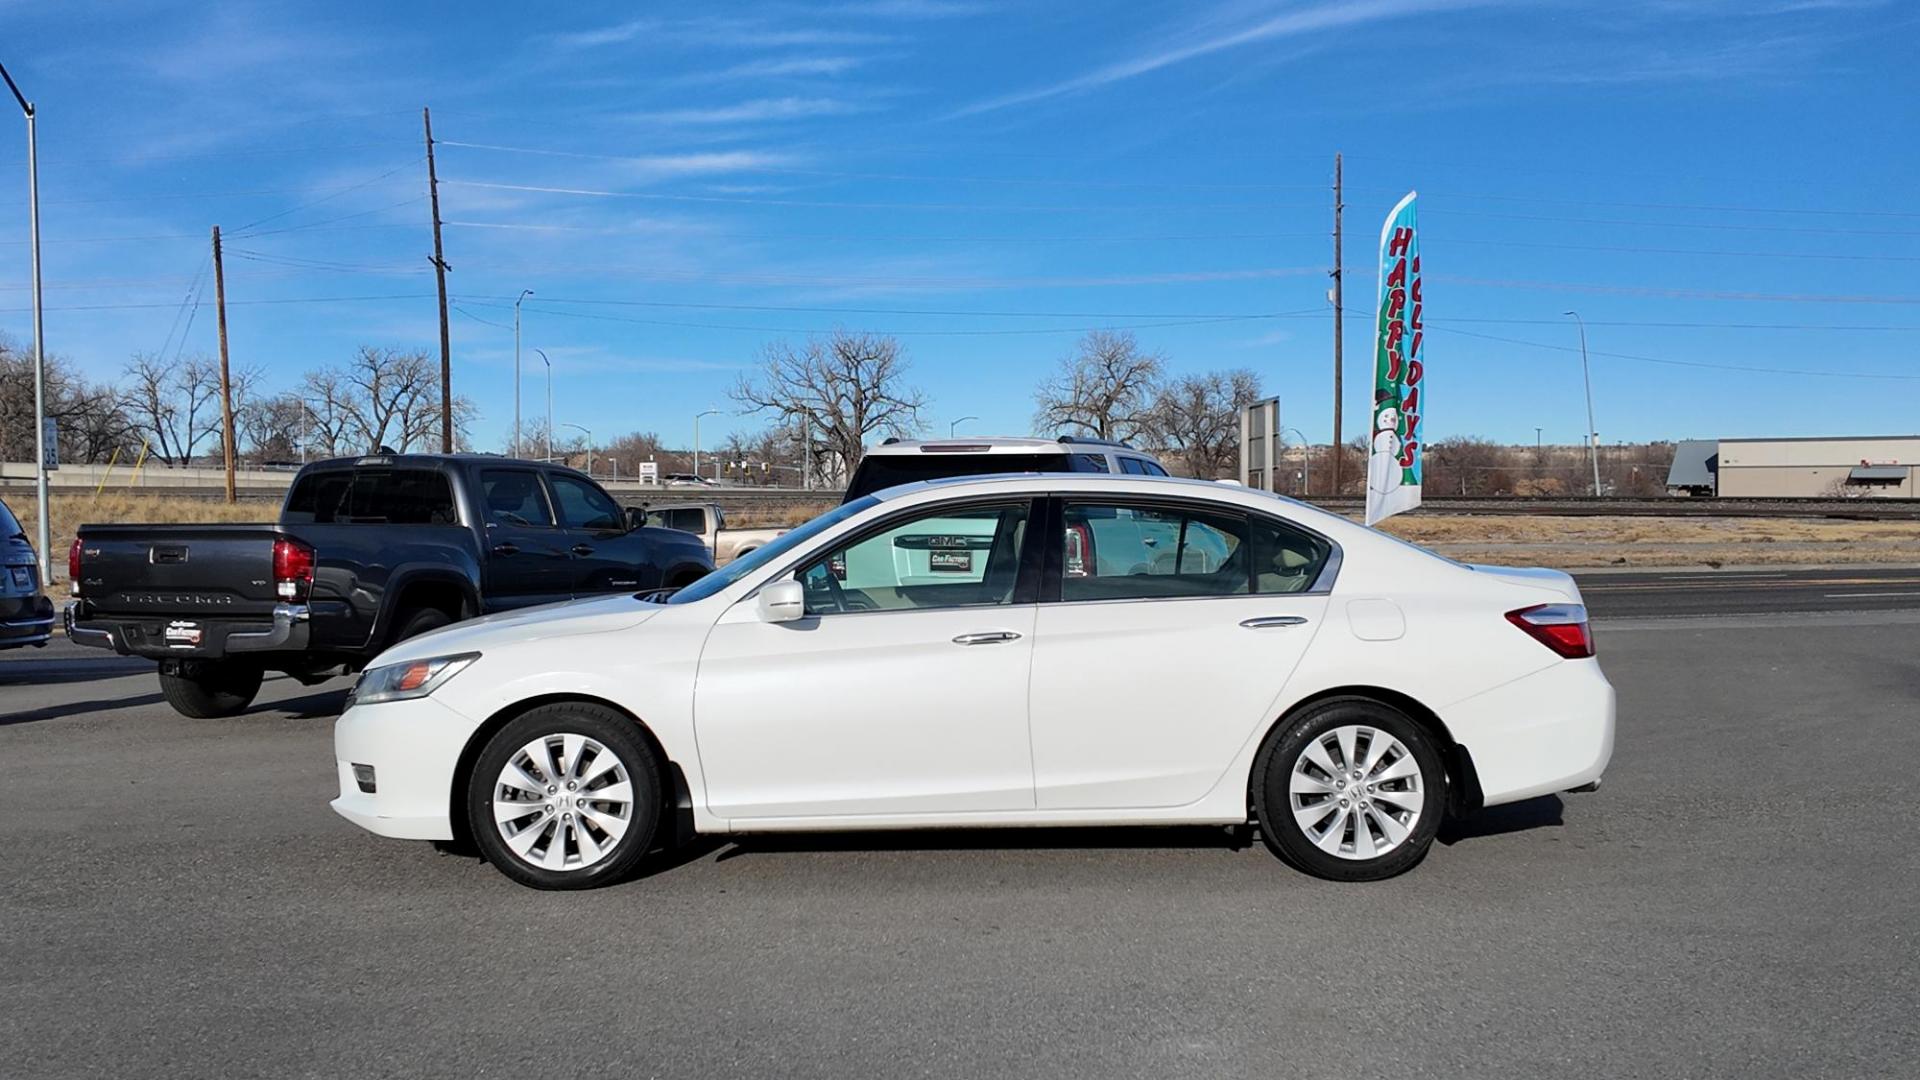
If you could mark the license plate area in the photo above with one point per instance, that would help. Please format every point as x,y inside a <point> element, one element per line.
<point>183,634</point>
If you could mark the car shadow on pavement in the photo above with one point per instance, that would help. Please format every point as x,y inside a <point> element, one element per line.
<point>76,708</point>
<point>1023,839</point>
<point>321,705</point>
<point>1541,813</point>
<point>36,672</point>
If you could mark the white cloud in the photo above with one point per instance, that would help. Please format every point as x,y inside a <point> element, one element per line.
<point>1205,36</point>
<point>763,109</point>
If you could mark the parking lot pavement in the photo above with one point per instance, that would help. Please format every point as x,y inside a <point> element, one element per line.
<point>1738,900</point>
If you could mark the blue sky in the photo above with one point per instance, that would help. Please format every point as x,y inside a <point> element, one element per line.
<point>1718,185</point>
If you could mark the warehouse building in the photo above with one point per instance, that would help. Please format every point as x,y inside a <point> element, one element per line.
<point>1840,467</point>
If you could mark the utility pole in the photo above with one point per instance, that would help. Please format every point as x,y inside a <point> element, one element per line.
<point>440,276</point>
<point>44,548</point>
<point>1338,312</point>
<point>226,381</point>
<point>1593,436</point>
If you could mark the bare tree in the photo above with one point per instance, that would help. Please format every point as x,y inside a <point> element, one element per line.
<point>386,387</point>
<point>847,388</point>
<point>91,422</point>
<point>273,428</point>
<point>1104,389</point>
<point>1195,419</point>
<point>175,406</point>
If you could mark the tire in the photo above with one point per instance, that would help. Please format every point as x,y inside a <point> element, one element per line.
<point>523,846</point>
<point>1401,808</point>
<point>210,689</point>
<point>419,623</point>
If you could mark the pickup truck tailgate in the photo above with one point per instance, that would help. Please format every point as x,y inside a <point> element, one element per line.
<point>179,570</point>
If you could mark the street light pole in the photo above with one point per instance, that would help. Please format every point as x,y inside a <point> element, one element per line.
<point>1306,459</point>
<point>589,448</point>
<point>1593,436</point>
<point>524,293</point>
<point>696,439</point>
<point>957,423</point>
<point>39,337</point>
<point>549,363</point>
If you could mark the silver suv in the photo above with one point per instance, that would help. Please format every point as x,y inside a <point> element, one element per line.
<point>905,461</point>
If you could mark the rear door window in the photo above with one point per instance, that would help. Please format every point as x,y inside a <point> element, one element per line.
<point>1121,551</point>
<point>1088,463</point>
<point>514,497</point>
<point>1286,559</point>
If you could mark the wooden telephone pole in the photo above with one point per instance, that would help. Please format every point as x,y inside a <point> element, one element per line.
<point>1338,367</point>
<point>226,380</point>
<point>440,276</point>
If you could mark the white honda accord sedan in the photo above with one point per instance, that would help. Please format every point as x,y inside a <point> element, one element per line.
<point>997,651</point>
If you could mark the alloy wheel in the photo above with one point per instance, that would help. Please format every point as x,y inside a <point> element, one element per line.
<point>1356,792</point>
<point>563,801</point>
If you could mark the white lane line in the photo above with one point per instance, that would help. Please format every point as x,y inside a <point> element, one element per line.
<point>1850,595</point>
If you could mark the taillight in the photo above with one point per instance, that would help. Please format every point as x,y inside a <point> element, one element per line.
<point>1560,627</point>
<point>1079,561</point>
<point>292,569</point>
<point>73,567</point>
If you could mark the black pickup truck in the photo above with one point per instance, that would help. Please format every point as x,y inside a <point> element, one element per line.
<point>368,551</point>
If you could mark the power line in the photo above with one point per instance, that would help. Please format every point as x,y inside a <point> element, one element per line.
<point>1683,363</point>
<point>1676,294</point>
<point>750,201</point>
<point>166,155</point>
<point>233,303</point>
<point>544,300</point>
<point>334,194</point>
<point>324,222</point>
<point>997,239</point>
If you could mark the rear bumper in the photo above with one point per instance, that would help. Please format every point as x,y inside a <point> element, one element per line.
<point>27,620</point>
<point>288,630</point>
<point>1549,732</point>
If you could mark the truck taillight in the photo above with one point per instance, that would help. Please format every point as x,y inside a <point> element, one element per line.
<point>292,568</point>
<point>1560,627</point>
<point>1079,561</point>
<point>73,567</point>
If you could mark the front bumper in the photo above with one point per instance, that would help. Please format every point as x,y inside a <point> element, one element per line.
<point>1549,732</point>
<point>26,620</point>
<point>413,747</point>
<point>287,630</point>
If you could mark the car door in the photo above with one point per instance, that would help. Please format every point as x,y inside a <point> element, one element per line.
<point>527,561</point>
<point>1170,629</point>
<point>894,694</point>
<point>606,557</point>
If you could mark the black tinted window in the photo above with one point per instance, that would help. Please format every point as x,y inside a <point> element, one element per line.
<point>1285,559</point>
<point>9,525</point>
<point>1133,466</point>
<point>880,471</point>
<point>513,497</point>
<point>583,506</point>
<point>372,496</point>
<point>1088,463</point>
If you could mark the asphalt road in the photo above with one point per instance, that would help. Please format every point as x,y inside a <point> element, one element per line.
<point>1738,900</point>
<point>1786,588</point>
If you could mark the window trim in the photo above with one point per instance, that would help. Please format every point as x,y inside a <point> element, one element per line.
<point>1051,587</point>
<point>1026,582</point>
<point>539,486</point>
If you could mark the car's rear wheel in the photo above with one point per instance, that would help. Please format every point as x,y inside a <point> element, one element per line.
<point>209,689</point>
<point>1351,790</point>
<point>566,796</point>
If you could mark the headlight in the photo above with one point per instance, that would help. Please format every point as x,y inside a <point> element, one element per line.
<point>412,679</point>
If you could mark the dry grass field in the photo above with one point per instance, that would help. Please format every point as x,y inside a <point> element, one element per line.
<point>1527,539</point>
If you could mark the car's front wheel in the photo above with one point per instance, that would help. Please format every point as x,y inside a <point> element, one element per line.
<point>1351,790</point>
<point>566,796</point>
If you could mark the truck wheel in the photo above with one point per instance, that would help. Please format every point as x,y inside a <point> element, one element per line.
<point>420,622</point>
<point>208,689</point>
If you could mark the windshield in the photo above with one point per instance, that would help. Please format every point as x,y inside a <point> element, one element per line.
<point>758,557</point>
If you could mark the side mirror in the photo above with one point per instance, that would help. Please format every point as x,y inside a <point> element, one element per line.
<point>783,601</point>
<point>636,517</point>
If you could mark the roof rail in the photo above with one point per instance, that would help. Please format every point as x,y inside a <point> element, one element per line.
<point>1088,440</point>
<point>889,440</point>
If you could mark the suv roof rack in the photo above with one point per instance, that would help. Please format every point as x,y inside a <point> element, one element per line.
<point>1088,440</point>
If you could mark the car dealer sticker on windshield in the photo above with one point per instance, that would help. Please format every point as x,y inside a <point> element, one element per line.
<point>182,634</point>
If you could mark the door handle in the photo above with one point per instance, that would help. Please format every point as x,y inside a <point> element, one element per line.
<point>987,637</point>
<point>506,549</point>
<point>1267,621</point>
<point>583,550</point>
